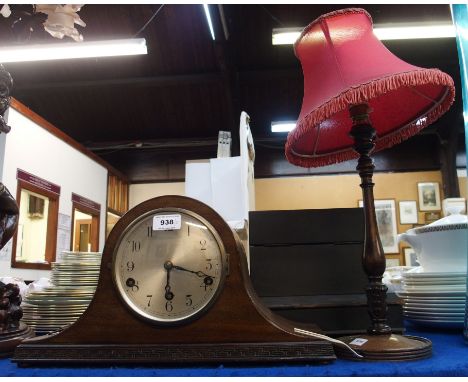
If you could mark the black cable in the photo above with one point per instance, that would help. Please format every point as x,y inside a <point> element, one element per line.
<point>150,19</point>
<point>272,15</point>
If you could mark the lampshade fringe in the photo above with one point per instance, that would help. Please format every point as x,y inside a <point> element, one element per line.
<point>363,94</point>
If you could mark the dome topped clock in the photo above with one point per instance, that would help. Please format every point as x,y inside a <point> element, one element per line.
<point>174,288</point>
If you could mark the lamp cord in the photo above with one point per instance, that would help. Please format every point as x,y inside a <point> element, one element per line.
<point>149,20</point>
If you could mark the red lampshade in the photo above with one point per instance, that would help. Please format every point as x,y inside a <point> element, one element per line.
<point>345,64</point>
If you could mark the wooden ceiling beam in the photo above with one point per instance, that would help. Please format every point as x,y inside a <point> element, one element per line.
<point>159,81</point>
<point>153,81</point>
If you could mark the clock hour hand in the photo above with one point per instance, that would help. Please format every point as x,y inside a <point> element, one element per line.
<point>168,294</point>
<point>198,273</point>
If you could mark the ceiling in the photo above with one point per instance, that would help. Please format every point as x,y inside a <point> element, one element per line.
<point>146,115</point>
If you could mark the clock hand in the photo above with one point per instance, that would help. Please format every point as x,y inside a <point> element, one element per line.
<point>168,295</point>
<point>208,280</point>
<point>198,273</point>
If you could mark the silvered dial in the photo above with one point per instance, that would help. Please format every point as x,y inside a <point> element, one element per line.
<point>169,265</point>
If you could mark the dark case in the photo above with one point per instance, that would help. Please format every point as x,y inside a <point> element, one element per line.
<point>306,266</point>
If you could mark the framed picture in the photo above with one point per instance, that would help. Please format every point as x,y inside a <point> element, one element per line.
<point>392,262</point>
<point>408,212</point>
<point>430,217</point>
<point>386,222</point>
<point>429,196</point>
<point>410,257</point>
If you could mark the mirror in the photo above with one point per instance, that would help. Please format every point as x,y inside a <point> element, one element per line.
<point>85,231</point>
<point>35,240</point>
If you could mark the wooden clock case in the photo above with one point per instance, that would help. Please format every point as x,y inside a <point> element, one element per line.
<point>236,328</point>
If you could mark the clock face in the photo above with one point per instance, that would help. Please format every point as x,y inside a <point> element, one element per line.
<point>169,265</point>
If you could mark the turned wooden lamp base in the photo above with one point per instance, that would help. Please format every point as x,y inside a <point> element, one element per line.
<point>379,343</point>
<point>10,339</point>
<point>386,347</point>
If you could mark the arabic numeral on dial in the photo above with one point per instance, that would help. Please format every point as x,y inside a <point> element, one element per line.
<point>209,265</point>
<point>188,300</point>
<point>133,284</point>
<point>136,246</point>
<point>169,306</point>
<point>207,282</point>
<point>130,266</point>
<point>149,296</point>
<point>203,245</point>
<point>150,231</point>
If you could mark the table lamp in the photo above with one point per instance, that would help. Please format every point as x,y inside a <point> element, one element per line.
<point>351,79</point>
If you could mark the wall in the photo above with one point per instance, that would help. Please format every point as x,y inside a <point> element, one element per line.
<point>140,192</point>
<point>336,191</point>
<point>462,183</point>
<point>35,150</point>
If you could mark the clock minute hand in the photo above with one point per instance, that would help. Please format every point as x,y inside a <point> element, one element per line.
<point>168,294</point>
<point>198,273</point>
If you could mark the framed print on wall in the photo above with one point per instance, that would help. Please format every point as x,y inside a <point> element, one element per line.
<point>385,212</point>
<point>430,217</point>
<point>429,196</point>
<point>410,257</point>
<point>408,212</point>
<point>391,262</point>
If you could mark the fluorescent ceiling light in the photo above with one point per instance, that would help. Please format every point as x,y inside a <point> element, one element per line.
<point>60,51</point>
<point>287,36</point>
<point>208,18</point>
<point>282,126</point>
<point>407,32</point>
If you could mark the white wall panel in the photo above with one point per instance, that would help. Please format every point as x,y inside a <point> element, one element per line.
<point>31,148</point>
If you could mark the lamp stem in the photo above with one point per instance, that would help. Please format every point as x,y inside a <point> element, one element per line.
<point>373,259</point>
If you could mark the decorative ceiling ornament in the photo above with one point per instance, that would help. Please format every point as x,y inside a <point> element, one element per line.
<point>5,11</point>
<point>61,20</point>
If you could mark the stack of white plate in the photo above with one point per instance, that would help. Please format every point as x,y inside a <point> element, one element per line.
<point>435,299</point>
<point>74,281</point>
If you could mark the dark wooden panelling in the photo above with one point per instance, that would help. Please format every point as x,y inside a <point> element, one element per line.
<point>315,227</point>
<point>306,265</point>
<point>300,270</point>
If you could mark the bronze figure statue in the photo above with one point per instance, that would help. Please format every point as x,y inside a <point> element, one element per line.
<point>12,331</point>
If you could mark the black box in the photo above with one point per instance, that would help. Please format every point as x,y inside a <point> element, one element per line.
<point>306,266</point>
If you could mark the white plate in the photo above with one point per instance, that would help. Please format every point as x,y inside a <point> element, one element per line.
<point>435,300</point>
<point>434,315</point>
<point>433,294</point>
<point>434,310</point>
<point>435,288</point>
<point>431,305</point>
<point>419,273</point>
<point>441,281</point>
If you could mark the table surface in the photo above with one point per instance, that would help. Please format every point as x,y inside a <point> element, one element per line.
<point>450,358</point>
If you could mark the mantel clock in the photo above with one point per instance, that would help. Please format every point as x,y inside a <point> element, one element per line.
<point>174,288</point>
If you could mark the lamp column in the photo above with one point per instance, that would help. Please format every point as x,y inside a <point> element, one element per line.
<point>373,259</point>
